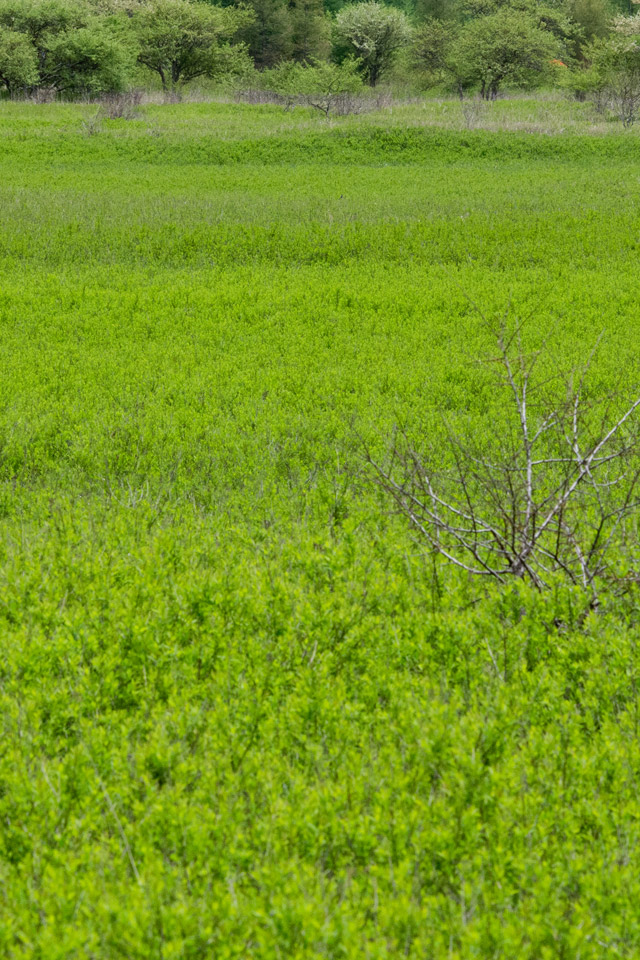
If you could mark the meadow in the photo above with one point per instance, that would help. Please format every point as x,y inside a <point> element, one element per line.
<point>240,716</point>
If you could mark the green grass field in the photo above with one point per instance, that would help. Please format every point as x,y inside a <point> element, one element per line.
<point>239,717</point>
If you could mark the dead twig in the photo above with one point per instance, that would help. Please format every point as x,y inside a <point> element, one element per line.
<point>546,497</point>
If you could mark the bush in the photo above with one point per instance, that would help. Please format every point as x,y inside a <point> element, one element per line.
<point>122,106</point>
<point>581,84</point>
<point>324,86</point>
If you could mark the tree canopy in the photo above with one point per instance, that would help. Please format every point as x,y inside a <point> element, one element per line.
<point>91,47</point>
<point>506,47</point>
<point>182,41</point>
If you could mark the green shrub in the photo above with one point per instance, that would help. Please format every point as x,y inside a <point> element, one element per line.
<point>324,86</point>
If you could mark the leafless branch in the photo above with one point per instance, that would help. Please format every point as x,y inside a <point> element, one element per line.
<point>547,497</point>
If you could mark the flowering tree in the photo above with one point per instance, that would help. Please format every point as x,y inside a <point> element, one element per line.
<point>373,34</point>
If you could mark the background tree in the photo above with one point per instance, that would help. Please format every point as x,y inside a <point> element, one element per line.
<point>556,18</point>
<point>426,10</point>
<point>310,31</point>
<point>182,41</point>
<point>90,45</point>
<point>431,45</point>
<point>627,26</point>
<point>592,17</point>
<point>268,33</point>
<point>372,33</point>
<point>506,47</point>
<point>18,61</point>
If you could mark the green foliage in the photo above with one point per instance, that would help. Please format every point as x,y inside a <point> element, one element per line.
<point>431,47</point>
<point>506,47</point>
<point>87,60</point>
<point>269,32</point>
<point>426,10</point>
<point>593,17</point>
<point>410,43</point>
<point>556,19</point>
<point>310,31</point>
<point>582,83</point>
<point>240,717</point>
<point>182,41</point>
<point>42,22</point>
<point>372,33</point>
<point>278,31</point>
<point>72,49</point>
<point>18,61</point>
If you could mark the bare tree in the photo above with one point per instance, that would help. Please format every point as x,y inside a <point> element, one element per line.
<point>548,496</point>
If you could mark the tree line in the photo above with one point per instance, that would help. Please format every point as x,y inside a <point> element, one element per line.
<point>299,48</point>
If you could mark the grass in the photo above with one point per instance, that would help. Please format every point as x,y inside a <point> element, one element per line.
<point>240,717</point>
